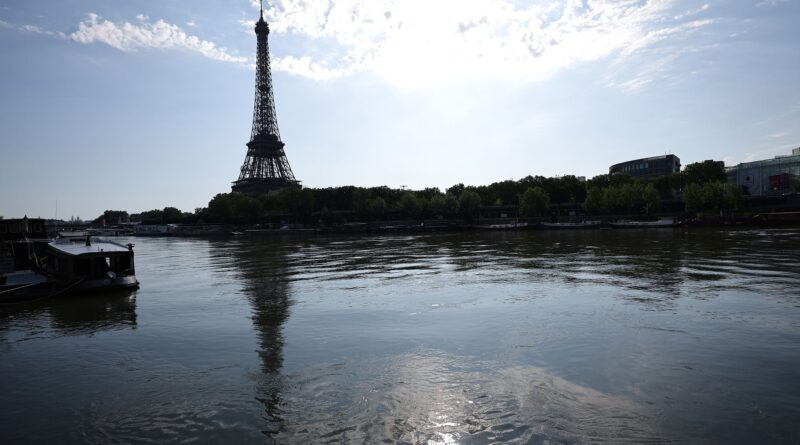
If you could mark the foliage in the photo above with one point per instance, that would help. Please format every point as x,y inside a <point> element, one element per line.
<point>712,196</point>
<point>595,200</point>
<point>468,203</point>
<point>534,202</point>
<point>171,214</point>
<point>111,217</point>
<point>618,193</point>
<point>704,172</point>
<point>733,196</point>
<point>220,207</point>
<point>650,197</point>
<point>623,197</point>
<point>409,204</point>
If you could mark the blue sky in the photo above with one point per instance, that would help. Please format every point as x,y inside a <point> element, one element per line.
<point>110,104</point>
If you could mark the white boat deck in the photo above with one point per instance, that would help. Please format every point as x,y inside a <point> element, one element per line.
<point>80,248</point>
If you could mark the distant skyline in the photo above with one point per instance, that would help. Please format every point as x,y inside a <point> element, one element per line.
<point>106,104</point>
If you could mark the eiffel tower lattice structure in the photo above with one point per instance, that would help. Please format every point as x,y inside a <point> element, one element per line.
<point>265,167</point>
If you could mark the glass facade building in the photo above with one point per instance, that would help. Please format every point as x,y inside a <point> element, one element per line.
<point>769,177</point>
<point>648,167</point>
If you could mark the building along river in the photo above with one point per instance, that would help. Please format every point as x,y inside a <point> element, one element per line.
<point>641,336</point>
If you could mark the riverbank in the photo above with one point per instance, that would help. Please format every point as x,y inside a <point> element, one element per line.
<point>762,220</point>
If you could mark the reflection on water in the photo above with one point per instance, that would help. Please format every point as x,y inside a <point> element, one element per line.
<point>641,336</point>
<point>265,283</point>
<point>71,315</point>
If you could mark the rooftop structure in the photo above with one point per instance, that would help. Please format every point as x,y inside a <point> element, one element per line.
<point>17,229</point>
<point>648,167</point>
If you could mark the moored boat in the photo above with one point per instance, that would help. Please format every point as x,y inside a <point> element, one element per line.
<point>661,223</point>
<point>571,225</point>
<point>504,226</point>
<point>92,265</point>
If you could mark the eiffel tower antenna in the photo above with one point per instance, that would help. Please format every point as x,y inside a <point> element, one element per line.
<point>265,167</point>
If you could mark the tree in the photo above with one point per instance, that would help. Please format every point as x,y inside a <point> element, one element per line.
<point>650,196</point>
<point>712,195</point>
<point>361,202</point>
<point>595,201</point>
<point>409,204</point>
<point>468,203</point>
<point>220,207</point>
<point>377,207</point>
<point>451,206</point>
<point>692,198</point>
<point>154,216</point>
<point>437,205</point>
<point>111,217</point>
<point>298,202</point>
<point>733,196</point>
<point>456,190</point>
<point>171,214</point>
<point>534,202</point>
<point>705,172</point>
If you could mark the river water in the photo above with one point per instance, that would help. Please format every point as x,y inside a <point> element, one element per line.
<point>640,336</point>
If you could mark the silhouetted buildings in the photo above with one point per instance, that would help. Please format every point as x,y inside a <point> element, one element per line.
<point>768,177</point>
<point>23,228</point>
<point>648,167</point>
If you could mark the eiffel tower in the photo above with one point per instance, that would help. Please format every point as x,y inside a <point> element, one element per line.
<point>265,167</point>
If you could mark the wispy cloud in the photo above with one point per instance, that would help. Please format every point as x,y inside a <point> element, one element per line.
<point>770,3</point>
<point>31,28</point>
<point>418,42</point>
<point>778,135</point>
<point>126,36</point>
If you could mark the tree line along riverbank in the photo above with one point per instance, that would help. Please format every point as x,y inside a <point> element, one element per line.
<point>700,193</point>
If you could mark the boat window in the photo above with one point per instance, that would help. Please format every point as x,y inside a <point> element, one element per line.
<point>99,267</point>
<point>123,263</point>
<point>82,267</point>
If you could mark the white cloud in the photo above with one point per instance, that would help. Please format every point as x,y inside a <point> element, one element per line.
<point>419,42</point>
<point>770,3</point>
<point>127,36</point>
<point>31,28</point>
<point>692,12</point>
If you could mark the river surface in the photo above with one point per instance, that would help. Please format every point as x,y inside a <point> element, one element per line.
<point>640,336</point>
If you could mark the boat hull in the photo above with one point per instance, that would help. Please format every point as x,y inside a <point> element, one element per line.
<point>107,284</point>
<point>644,225</point>
<point>569,226</point>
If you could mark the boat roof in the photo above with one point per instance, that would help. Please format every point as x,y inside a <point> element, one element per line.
<point>74,233</point>
<point>80,248</point>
